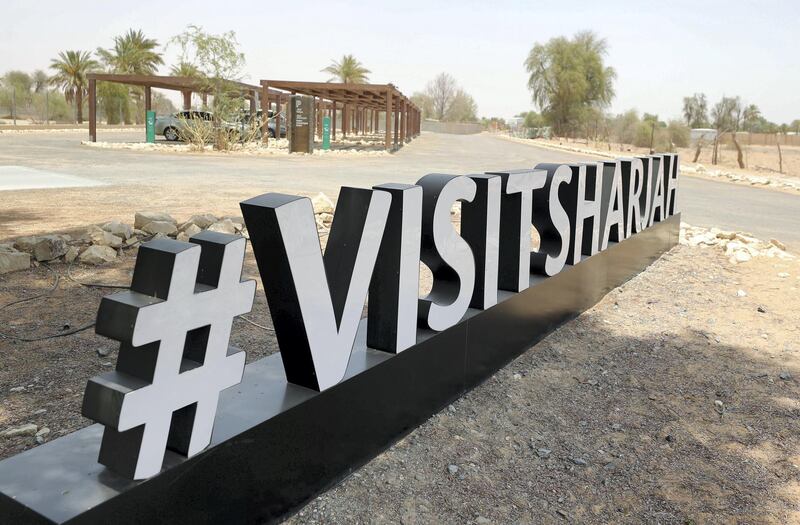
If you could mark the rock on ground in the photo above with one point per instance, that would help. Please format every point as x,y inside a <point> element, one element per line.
<point>164,227</point>
<point>98,255</point>
<point>201,220</point>
<point>142,218</point>
<point>223,226</point>
<point>103,237</point>
<point>43,248</point>
<point>188,232</point>
<point>322,204</point>
<point>12,261</point>
<point>24,430</point>
<point>120,229</point>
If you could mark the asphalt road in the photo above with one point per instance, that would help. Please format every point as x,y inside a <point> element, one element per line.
<point>171,180</point>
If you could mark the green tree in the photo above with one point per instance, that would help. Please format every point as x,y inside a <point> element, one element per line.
<point>132,54</point>
<point>678,134</point>
<point>624,127</point>
<point>19,81</point>
<point>348,70</point>
<point>568,76</point>
<point>462,109</point>
<point>532,120</point>
<point>219,70</point>
<point>40,81</point>
<point>70,70</point>
<point>751,118</point>
<point>726,117</point>
<point>424,102</point>
<point>695,111</point>
<point>112,100</point>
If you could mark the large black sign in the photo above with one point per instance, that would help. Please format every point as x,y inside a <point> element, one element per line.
<point>342,388</point>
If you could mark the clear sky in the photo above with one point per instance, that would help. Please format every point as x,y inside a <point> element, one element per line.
<point>661,50</point>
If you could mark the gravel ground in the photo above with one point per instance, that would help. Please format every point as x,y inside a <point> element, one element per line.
<point>674,400</point>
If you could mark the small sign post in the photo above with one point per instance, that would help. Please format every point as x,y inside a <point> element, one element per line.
<point>301,124</point>
<point>150,124</point>
<point>326,133</point>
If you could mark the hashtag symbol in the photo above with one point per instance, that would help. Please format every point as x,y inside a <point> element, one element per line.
<point>174,327</point>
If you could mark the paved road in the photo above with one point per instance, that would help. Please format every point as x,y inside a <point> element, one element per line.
<point>134,180</point>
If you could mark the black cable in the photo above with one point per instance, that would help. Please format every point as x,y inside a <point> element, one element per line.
<point>49,292</point>
<point>46,337</point>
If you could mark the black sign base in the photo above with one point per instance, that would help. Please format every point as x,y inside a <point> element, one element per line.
<point>277,445</point>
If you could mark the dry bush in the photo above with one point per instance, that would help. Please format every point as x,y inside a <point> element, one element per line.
<point>197,133</point>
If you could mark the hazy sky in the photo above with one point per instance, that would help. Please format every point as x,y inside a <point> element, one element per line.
<point>662,51</point>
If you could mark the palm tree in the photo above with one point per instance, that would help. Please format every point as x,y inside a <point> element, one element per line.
<point>184,69</point>
<point>70,75</point>
<point>132,54</point>
<point>348,70</point>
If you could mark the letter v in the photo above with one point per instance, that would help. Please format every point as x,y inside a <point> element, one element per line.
<point>316,302</point>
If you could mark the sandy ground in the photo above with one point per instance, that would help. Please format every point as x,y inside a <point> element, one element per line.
<point>726,171</point>
<point>674,400</point>
<point>758,159</point>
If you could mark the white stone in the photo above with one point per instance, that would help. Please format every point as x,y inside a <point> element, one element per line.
<point>783,275</point>
<point>742,256</point>
<point>165,227</point>
<point>14,261</point>
<point>741,293</point>
<point>120,229</point>
<point>322,204</point>
<point>72,254</point>
<point>98,254</point>
<point>192,229</point>
<point>103,237</point>
<point>25,430</point>
<point>142,218</point>
<point>201,220</point>
<point>223,226</point>
<point>238,222</point>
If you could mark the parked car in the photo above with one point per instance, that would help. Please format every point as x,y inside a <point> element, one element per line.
<point>171,126</point>
<point>247,119</point>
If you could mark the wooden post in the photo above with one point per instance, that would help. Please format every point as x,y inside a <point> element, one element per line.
<point>333,121</point>
<point>388,137</point>
<point>318,117</point>
<point>344,120</point>
<point>187,100</point>
<point>396,123</point>
<point>148,99</point>
<point>404,128</point>
<point>264,113</point>
<point>278,117</point>
<point>93,110</point>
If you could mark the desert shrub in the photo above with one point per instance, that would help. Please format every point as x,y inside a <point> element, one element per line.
<point>197,133</point>
<point>678,133</point>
